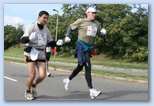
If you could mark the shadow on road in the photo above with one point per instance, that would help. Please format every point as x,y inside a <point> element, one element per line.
<point>117,94</point>
<point>80,95</point>
<point>75,95</point>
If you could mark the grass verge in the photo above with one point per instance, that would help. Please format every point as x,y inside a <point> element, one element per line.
<point>97,60</point>
<point>98,73</point>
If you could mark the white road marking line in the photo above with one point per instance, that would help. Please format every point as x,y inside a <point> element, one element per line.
<point>10,78</point>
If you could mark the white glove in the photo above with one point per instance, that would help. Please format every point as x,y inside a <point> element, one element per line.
<point>32,36</point>
<point>67,39</point>
<point>103,31</point>
<point>59,42</point>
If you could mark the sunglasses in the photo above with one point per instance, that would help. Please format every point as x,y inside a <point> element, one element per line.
<point>93,12</point>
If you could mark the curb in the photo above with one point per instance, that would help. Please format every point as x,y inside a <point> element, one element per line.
<point>93,74</point>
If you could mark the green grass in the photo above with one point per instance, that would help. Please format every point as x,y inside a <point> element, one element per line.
<point>105,73</point>
<point>121,75</point>
<point>97,60</point>
<point>14,60</point>
<point>98,73</point>
<point>100,60</point>
<point>14,52</point>
<point>102,73</point>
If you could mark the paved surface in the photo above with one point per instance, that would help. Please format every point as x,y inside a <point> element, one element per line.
<point>98,67</point>
<point>52,88</point>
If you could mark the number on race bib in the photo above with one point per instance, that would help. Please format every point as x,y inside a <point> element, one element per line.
<point>91,31</point>
<point>42,39</point>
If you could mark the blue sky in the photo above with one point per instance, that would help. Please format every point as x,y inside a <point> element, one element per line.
<point>28,13</point>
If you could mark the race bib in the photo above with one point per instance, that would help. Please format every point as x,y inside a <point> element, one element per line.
<point>91,31</point>
<point>42,39</point>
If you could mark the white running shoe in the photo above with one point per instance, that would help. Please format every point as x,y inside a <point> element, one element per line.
<point>29,95</point>
<point>48,74</point>
<point>66,81</point>
<point>94,93</point>
<point>33,91</point>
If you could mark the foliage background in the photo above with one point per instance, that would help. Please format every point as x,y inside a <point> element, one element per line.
<point>127,31</point>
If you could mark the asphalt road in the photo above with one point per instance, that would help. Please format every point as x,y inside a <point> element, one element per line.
<point>52,88</point>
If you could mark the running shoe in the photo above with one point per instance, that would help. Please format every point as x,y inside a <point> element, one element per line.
<point>66,81</point>
<point>48,74</point>
<point>33,91</point>
<point>94,93</point>
<point>29,95</point>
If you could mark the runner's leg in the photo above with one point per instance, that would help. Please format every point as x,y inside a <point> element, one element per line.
<point>32,74</point>
<point>41,66</point>
<point>76,71</point>
<point>88,70</point>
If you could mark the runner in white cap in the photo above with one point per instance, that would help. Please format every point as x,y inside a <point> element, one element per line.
<point>37,38</point>
<point>88,29</point>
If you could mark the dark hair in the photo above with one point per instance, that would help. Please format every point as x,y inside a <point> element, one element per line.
<point>43,12</point>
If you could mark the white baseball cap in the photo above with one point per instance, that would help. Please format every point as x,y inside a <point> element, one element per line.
<point>91,9</point>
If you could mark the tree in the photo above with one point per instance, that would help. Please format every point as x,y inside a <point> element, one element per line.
<point>12,35</point>
<point>127,31</point>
